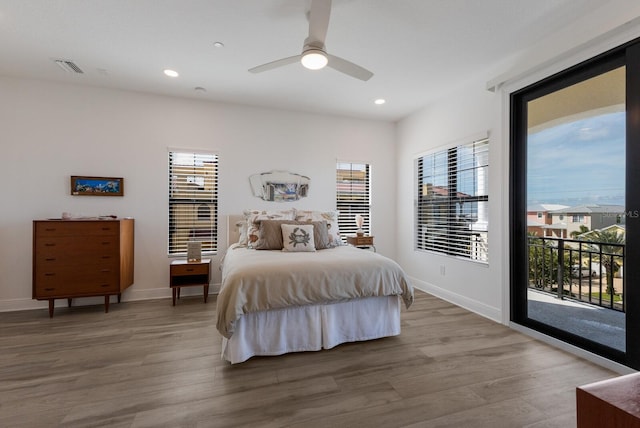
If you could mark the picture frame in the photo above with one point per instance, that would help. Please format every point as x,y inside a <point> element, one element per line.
<point>97,186</point>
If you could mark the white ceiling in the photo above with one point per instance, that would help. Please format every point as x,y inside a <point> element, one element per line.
<point>415,48</point>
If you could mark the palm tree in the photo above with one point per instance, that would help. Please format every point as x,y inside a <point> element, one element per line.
<point>601,238</point>
<point>583,229</point>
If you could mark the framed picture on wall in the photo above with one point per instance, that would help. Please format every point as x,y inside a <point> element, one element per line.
<point>97,186</point>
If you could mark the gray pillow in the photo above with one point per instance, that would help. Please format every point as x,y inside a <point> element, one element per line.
<point>270,234</point>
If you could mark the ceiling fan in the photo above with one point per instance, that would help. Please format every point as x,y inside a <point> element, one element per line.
<point>314,55</point>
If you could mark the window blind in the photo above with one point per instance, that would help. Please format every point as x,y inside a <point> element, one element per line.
<point>452,201</point>
<point>353,197</point>
<point>193,201</point>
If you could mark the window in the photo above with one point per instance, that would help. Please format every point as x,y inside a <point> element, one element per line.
<point>452,201</point>
<point>193,201</point>
<point>539,215</point>
<point>577,218</point>
<point>353,197</point>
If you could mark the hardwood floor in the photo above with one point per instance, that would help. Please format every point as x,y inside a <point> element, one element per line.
<point>150,364</point>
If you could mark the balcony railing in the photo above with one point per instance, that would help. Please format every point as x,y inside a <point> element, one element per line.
<point>578,270</point>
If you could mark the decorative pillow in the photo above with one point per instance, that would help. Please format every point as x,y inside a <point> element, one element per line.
<point>331,217</point>
<point>254,217</point>
<point>270,234</point>
<point>297,237</point>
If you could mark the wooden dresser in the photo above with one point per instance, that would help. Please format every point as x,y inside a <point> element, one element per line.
<point>82,258</point>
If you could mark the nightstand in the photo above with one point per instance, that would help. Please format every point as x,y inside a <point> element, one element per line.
<point>361,241</point>
<point>189,274</point>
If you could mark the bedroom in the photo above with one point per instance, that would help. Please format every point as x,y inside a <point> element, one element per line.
<point>55,129</point>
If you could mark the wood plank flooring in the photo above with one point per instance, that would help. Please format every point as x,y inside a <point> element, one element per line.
<point>150,364</point>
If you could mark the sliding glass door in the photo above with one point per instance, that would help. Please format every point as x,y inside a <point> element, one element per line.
<point>573,216</point>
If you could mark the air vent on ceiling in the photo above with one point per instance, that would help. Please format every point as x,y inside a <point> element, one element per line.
<point>68,66</point>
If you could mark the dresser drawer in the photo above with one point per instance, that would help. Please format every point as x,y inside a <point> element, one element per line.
<point>77,265</point>
<point>70,247</point>
<point>77,228</point>
<point>190,269</point>
<point>43,290</point>
<point>53,274</point>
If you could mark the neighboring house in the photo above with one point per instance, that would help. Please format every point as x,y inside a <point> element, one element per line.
<point>564,221</point>
<point>539,220</point>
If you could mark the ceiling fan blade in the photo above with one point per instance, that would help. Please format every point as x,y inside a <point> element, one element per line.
<point>275,64</point>
<point>319,21</point>
<point>349,68</point>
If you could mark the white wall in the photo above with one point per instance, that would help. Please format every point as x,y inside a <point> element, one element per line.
<point>467,114</point>
<point>52,131</point>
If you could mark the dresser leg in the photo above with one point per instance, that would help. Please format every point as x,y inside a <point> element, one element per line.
<point>106,304</point>
<point>69,302</point>
<point>51,301</point>
<point>206,292</point>
<point>173,294</point>
<point>119,297</point>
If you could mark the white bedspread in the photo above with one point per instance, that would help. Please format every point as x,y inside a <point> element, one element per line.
<point>260,280</point>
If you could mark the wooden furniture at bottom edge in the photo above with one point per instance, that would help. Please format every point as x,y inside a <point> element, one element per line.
<point>183,273</point>
<point>611,403</point>
<point>82,258</point>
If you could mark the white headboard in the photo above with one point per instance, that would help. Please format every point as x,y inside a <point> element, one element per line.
<point>233,231</point>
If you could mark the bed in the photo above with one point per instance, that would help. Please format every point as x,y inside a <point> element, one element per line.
<point>275,301</point>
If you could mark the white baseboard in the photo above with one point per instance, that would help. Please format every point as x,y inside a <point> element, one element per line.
<point>129,295</point>
<point>486,311</point>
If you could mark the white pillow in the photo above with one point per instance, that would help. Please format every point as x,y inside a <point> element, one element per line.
<point>297,237</point>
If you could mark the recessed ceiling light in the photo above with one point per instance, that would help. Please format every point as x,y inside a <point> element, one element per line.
<point>171,73</point>
<point>380,101</point>
<point>218,44</point>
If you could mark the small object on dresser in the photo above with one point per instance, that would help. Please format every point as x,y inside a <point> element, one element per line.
<point>194,251</point>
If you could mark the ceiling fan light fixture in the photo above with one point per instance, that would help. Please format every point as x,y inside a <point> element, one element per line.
<point>314,59</point>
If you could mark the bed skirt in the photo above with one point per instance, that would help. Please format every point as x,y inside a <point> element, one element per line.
<point>311,328</point>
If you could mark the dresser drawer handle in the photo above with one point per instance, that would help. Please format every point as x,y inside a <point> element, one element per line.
<point>49,245</point>
<point>49,274</point>
<point>104,285</point>
<point>106,242</point>
<point>105,270</point>
<point>106,257</point>
<point>189,270</point>
<point>50,259</point>
<point>49,289</point>
<point>50,229</point>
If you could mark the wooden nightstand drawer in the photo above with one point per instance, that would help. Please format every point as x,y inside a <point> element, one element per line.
<point>358,241</point>
<point>189,269</point>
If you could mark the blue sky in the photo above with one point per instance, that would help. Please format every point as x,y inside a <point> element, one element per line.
<point>578,162</point>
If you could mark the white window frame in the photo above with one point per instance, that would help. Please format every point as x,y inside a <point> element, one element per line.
<point>193,182</point>
<point>353,196</point>
<point>451,200</point>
